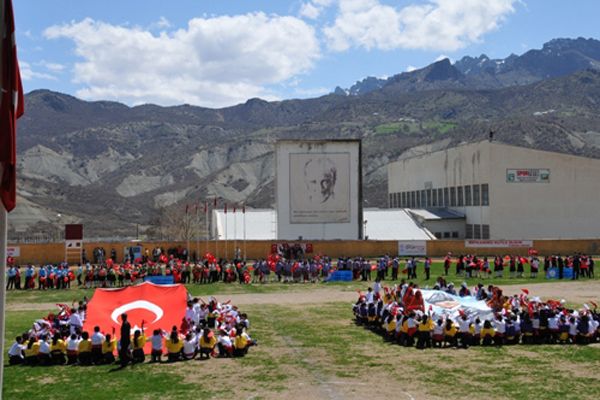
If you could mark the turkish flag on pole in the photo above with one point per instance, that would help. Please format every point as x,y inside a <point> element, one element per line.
<point>11,108</point>
<point>160,306</point>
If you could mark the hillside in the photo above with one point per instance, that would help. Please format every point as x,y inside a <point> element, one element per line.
<point>113,167</point>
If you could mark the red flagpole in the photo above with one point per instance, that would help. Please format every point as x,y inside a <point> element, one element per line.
<point>11,108</point>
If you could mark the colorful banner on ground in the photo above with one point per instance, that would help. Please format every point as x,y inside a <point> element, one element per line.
<point>444,304</point>
<point>511,244</point>
<point>159,307</point>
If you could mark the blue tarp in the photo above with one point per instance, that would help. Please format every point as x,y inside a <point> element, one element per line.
<point>160,279</point>
<point>339,276</point>
<point>553,273</point>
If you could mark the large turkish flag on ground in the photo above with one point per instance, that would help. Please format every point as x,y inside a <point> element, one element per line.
<point>159,306</point>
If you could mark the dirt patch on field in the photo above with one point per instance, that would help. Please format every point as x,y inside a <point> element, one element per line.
<point>574,292</point>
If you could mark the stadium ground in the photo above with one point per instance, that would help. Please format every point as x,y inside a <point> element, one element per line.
<point>309,348</point>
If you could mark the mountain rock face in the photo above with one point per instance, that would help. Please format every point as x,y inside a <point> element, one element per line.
<point>557,58</point>
<point>114,167</point>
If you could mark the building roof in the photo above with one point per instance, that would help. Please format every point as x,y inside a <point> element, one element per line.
<point>258,224</point>
<point>393,224</point>
<point>435,214</point>
<point>261,224</point>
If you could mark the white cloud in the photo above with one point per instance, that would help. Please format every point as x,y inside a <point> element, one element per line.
<point>163,23</point>
<point>312,92</point>
<point>309,10</point>
<point>50,66</point>
<point>313,9</point>
<point>436,25</point>
<point>214,61</point>
<point>27,73</point>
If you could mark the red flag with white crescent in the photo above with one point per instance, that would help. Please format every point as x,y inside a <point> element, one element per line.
<point>160,306</point>
<point>11,108</point>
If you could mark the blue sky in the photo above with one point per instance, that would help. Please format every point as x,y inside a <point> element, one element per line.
<point>219,53</point>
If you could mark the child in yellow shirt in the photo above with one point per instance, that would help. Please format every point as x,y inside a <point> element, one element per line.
<point>108,349</point>
<point>58,350</point>
<point>450,333</point>
<point>174,346</point>
<point>138,342</point>
<point>31,351</point>
<point>85,349</point>
<point>208,341</point>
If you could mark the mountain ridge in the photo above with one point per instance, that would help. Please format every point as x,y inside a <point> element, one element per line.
<point>114,167</point>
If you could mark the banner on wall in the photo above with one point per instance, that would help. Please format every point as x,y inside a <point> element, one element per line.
<point>528,175</point>
<point>412,247</point>
<point>13,251</point>
<point>319,188</point>
<point>483,243</point>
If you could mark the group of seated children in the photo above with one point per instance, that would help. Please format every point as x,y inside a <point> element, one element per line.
<point>524,322</point>
<point>208,330</point>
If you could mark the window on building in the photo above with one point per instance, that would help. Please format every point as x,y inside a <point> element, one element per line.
<point>476,231</point>
<point>428,198</point>
<point>485,231</point>
<point>423,200</point>
<point>438,235</point>
<point>391,200</point>
<point>455,235</point>
<point>397,200</point>
<point>446,235</point>
<point>418,204</point>
<point>413,199</point>
<point>459,195</point>
<point>446,198</point>
<point>452,197</point>
<point>434,202</point>
<point>440,198</point>
<point>468,195</point>
<point>403,200</point>
<point>476,199</point>
<point>469,231</point>
<point>485,195</point>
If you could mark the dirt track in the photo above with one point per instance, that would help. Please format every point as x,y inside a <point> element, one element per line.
<point>573,292</point>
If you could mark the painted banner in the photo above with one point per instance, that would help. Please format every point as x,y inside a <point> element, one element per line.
<point>319,188</point>
<point>517,244</point>
<point>528,175</point>
<point>444,304</point>
<point>412,247</point>
<point>159,306</point>
<point>13,251</point>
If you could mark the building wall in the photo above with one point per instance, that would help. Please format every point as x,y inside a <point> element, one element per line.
<point>446,225</point>
<point>566,206</point>
<point>457,166</point>
<point>54,252</point>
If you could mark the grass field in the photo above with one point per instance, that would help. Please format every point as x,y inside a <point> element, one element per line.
<point>311,349</point>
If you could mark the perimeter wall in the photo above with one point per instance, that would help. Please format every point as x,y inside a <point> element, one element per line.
<point>55,252</point>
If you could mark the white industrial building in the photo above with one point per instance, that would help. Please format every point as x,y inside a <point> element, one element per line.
<point>491,190</point>
<point>261,224</point>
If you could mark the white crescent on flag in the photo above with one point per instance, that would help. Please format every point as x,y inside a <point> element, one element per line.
<point>158,312</point>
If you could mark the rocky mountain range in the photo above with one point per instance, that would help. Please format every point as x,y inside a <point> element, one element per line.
<point>116,168</point>
<point>558,57</point>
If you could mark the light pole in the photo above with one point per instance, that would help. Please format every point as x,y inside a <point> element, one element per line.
<point>59,216</point>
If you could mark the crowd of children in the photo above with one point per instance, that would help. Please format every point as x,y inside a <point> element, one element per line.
<point>209,269</point>
<point>399,315</point>
<point>210,329</point>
